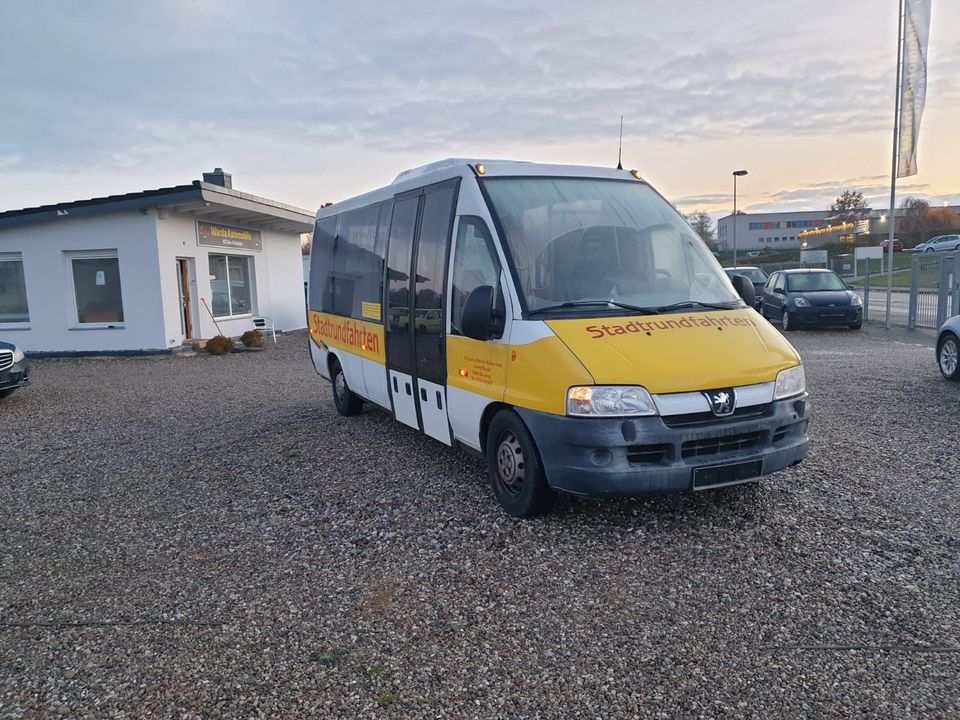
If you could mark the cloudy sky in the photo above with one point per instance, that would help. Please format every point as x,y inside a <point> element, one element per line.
<point>307,102</point>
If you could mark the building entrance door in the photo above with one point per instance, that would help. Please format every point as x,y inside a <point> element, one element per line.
<point>183,290</point>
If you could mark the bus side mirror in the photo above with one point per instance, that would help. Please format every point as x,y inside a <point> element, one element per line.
<point>743,286</point>
<point>476,321</point>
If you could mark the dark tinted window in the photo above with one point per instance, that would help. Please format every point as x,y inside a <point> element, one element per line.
<point>431,268</point>
<point>397,320</point>
<point>473,265</point>
<point>321,262</point>
<point>357,264</point>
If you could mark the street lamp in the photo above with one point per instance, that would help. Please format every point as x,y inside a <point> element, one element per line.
<point>736,174</point>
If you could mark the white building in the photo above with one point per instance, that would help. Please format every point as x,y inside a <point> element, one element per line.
<point>782,230</point>
<point>148,270</point>
<point>774,230</point>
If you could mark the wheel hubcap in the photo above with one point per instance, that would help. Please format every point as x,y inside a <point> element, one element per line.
<point>786,320</point>
<point>510,465</point>
<point>948,357</point>
<point>340,385</point>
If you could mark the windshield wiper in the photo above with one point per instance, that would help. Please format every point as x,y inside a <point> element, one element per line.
<point>594,303</point>
<point>696,303</point>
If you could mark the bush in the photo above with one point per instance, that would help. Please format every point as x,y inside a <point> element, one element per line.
<point>252,339</point>
<point>219,345</point>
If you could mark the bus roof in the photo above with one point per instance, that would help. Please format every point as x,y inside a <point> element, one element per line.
<point>466,167</point>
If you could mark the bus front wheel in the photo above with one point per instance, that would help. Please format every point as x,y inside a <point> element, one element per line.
<point>515,470</point>
<point>348,402</point>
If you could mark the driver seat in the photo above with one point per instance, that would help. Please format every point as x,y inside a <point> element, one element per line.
<point>596,264</point>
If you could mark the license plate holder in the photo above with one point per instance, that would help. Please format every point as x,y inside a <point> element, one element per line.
<point>717,475</point>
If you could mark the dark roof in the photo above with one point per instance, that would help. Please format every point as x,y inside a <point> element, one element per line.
<point>797,271</point>
<point>193,198</point>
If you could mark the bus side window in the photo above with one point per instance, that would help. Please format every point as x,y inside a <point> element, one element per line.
<point>473,265</point>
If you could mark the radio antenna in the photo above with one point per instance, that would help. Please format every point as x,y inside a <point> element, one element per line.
<point>620,146</point>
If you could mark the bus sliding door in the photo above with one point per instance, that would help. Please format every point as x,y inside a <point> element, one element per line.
<point>416,308</point>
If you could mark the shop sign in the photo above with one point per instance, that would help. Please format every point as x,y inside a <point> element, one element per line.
<point>228,237</point>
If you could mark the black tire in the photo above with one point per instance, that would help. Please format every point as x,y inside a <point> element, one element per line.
<point>785,322</point>
<point>948,356</point>
<point>7,392</point>
<point>856,325</point>
<point>348,403</point>
<point>514,468</point>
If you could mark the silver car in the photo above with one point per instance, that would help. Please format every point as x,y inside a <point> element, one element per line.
<point>948,348</point>
<point>941,243</point>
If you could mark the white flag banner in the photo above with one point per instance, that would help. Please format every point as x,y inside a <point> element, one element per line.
<point>913,83</point>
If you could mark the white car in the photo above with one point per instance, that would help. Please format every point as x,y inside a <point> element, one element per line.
<point>948,349</point>
<point>941,243</point>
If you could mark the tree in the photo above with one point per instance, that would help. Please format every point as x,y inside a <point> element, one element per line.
<point>848,207</point>
<point>918,217</point>
<point>702,224</point>
<point>306,243</point>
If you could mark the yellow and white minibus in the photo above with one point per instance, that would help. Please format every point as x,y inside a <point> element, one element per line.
<point>565,323</point>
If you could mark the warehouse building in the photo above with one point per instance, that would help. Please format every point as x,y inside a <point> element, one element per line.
<point>147,271</point>
<point>798,230</point>
<point>774,230</point>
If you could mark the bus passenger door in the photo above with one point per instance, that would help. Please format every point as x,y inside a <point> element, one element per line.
<point>429,308</point>
<point>398,331</point>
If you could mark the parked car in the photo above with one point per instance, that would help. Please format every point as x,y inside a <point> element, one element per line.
<point>14,368</point>
<point>941,243</point>
<point>800,298</point>
<point>948,348</point>
<point>897,245</point>
<point>755,275</point>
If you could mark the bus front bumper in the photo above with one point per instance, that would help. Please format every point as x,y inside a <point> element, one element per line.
<point>610,457</point>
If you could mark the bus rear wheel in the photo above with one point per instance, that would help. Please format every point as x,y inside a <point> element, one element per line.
<point>348,403</point>
<point>516,472</point>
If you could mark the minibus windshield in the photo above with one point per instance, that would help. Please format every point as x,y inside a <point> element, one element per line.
<point>576,241</point>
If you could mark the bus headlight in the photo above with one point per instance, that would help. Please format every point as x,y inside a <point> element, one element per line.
<point>609,401</point>
<point>790,382</point>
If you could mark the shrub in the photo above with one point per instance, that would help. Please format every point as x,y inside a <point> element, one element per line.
<point>252,339</point>
<point>219,345</point>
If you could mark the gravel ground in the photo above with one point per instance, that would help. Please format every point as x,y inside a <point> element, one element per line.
<point>205,537</point>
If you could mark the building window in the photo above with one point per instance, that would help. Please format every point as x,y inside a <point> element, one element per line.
<point>96,287</point>
<point>230,285</point>
<point>13,290</point>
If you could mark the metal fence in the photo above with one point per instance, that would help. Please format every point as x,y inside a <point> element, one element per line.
<point>934,289</point>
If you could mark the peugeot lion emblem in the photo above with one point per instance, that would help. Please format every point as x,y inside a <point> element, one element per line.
<point>721,402</point>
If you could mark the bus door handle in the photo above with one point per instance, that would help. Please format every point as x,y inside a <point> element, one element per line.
<point>409,391</point>
<point>439,401</point>
<point>423,394</point>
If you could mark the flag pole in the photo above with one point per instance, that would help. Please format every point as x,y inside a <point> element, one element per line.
<point>893,169</point>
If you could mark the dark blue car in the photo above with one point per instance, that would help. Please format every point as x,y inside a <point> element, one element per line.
<point>14,368</point>
<point>811,298</point>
